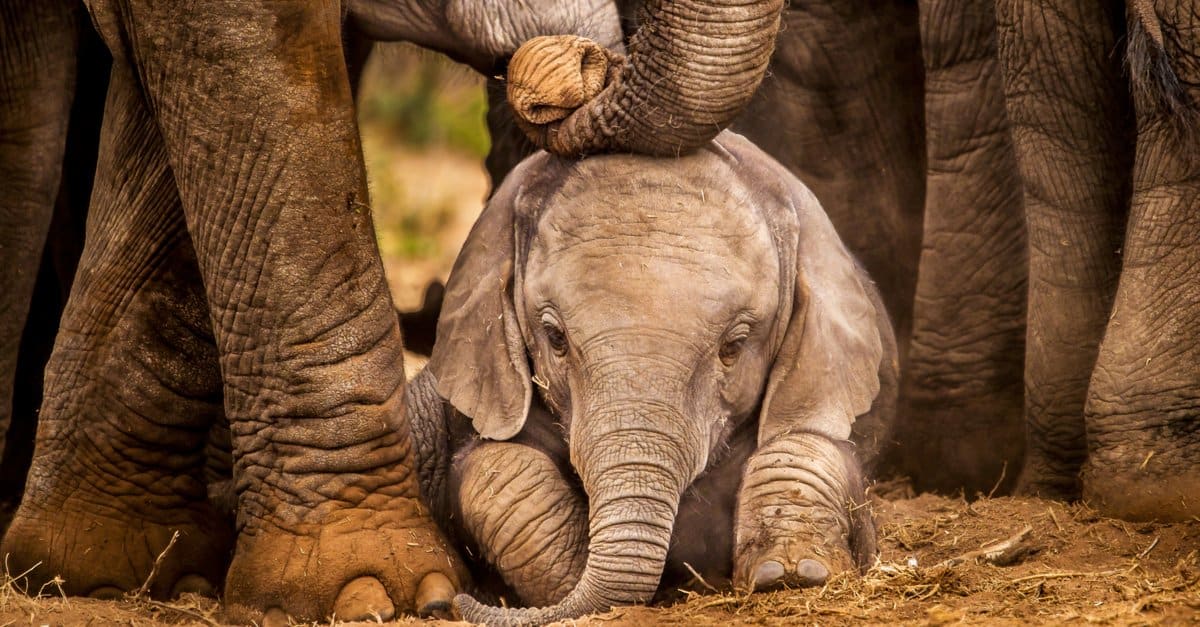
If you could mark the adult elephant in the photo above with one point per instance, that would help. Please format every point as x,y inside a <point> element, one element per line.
<point>230,272</point>
<point>1108,158</point>
<point>57,63</point>
<point>135,381</point>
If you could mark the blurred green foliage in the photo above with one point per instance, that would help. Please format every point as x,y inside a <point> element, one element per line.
<point>420,114</point>
<point>425,100</point>
<point>410,232</point>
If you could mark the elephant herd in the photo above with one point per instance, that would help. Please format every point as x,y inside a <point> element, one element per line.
<point>954,241</point>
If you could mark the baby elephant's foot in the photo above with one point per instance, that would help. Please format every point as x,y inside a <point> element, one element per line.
<point>802,515</point>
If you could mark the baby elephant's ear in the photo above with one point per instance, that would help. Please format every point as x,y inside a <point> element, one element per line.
<point>479,359</point>
<point>827,369</point>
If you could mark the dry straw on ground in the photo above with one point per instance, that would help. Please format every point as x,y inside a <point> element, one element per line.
<point>1066,564</point>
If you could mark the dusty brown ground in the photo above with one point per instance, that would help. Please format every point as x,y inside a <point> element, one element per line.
<point>1085,569</point>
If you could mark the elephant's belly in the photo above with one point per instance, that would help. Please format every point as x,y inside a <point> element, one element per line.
<point>703,536</point>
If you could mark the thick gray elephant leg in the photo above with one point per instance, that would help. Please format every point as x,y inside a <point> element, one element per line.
<point>530,524</point>
<point>60,256</point>
<point>1143,409</point>
<point>132,389</point>
<point>960,400</point>
<point>37,80</point>
<point>253,101</point>
<point>802,514</point>
<point>1071,125</point>
<point>841,109</point>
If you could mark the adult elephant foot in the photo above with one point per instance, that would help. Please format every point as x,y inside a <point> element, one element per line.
<point>117,498</point>
<point>91,545</point>
<point>352,564</point>
<point>1143,434</point>
<point>132,392</point>
<point>1143,486</point>
<point>251,102</point>
<point>802,515</point>
<point>1143,408</point>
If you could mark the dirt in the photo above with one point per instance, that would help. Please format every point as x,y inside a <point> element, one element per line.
<point>1083,568</point>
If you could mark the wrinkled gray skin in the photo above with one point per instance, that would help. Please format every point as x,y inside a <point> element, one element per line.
<point>649,362</point>
<point>230,274</point>
<point>36,90</point>
<point>894,117</point>
<point>1106,135</point>
<point>1073,162</point>
<point>1017,133</point>
<point>64,239</point>
<point>56,37</point>
<point>483,34</point>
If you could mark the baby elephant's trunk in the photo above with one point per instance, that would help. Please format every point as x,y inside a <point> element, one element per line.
<point>633,491</point>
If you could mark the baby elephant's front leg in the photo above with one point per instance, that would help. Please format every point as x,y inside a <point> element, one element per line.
<point>530,524</point>
<point>802,514</point>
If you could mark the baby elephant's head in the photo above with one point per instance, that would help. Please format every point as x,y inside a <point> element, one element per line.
<point>655,305</point>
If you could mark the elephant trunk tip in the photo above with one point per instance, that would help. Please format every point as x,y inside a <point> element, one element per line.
<point>472,611</point>
<point>551,77</point>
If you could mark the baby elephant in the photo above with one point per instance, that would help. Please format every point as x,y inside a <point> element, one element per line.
<point>710,367</point>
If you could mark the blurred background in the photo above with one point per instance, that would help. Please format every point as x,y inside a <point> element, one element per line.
<point>424,140</point>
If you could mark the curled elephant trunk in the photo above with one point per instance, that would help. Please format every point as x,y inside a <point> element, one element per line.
<point>692,67</point>
<point>633,495</point>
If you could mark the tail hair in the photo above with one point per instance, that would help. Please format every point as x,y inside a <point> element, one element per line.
<point>1153,79</point>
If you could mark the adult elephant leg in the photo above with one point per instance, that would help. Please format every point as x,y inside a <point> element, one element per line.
<point>254,104</point>
<point>1071,120</point>
<point>961,393</point>
<point>60,256</point>
<point>1143,408</point>
<point>841,109</point>
<point>37,79</point>
<point>526,519</point>
<point>131,390</point>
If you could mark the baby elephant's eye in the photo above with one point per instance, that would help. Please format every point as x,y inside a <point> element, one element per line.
<point>731,349</point>
<point>555,336</point>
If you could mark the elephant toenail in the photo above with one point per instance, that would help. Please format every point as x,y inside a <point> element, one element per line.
<point>811,573</point>
<point>107,593</point>
<point>275,617</point>
<point>767,574</point>
<point>193,584</point>
<point>364,598</point>
<point>434,595</point>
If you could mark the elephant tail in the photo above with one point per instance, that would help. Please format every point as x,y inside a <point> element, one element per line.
<point>1154,80</point>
